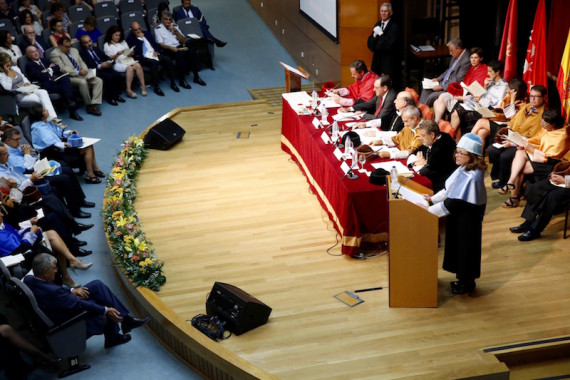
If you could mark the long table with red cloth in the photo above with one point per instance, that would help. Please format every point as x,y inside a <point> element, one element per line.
<point>357,208</point>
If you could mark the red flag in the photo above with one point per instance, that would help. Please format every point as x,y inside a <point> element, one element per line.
<point>508,52</point>
<point>534,72</point>
<point>563,82</point>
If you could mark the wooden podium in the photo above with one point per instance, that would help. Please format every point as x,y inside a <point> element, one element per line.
<point>293,77</point>
<point>413,254</point>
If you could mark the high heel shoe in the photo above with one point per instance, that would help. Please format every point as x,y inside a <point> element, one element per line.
<point>81,266</point>
<point>144,93</point>
<point>132,95</point>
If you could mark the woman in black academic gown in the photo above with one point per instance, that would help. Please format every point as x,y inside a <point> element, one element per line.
<point>463,201</point>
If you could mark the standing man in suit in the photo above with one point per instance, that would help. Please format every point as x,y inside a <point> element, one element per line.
<point>435,158</point>
<point>104,310</point>
<point>148,53</point>
<point>458,67</point>
<point>94,58</point>
<point>380,107</point>
<point>70,62</point>
<point>29,38</point>
<point>384,42</point>
<point>44,73</point>
<point>188,10</point>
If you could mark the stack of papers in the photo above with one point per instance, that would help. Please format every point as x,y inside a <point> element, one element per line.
<point>299,101</point>
<point>429,84</point>
<point>402,170</point>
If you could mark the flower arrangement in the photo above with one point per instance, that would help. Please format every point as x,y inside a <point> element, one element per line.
<point>131,250</point>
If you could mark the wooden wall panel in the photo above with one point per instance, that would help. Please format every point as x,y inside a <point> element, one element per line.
<point>358,13</point>
<point>354,46</point>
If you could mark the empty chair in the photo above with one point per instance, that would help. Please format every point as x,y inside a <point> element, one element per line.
<point>130,17</point>
<point>105,22</point>
<point>66,340</point>
<point>45,37</point>
<point>131,6</point>
<point>6,24</point>
<point>149,15</point>
<point>78,13</point>
<point>190,26</point>
<point>105,8</point>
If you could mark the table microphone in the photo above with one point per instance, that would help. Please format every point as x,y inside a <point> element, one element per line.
<point>397,194</point>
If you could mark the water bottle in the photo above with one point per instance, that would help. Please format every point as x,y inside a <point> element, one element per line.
<point>394,178</point>
<point>354,157</point>
<point>324,113</point>
<point>334,131</point>
<point>315,100</point>
<point>348,145</point>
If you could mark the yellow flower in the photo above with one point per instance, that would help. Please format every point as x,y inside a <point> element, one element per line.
<point>121,222</point>
<point>128,238</point>
<point>117,214</point>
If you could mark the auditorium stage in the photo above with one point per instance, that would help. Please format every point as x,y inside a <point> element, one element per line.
<point>219,208</point>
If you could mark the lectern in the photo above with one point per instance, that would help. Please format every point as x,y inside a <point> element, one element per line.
<point>293,77</point>
<point>413,240</point>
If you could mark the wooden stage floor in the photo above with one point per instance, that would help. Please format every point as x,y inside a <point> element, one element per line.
<point>218,208</point>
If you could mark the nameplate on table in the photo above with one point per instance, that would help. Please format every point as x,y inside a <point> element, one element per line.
<point>338,154</point>
<point>326,138</point>
<point>344,166</point>
<point>316,123</point>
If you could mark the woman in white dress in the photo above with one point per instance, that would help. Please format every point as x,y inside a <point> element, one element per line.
<point>115,47</point>
<point>11,79</point>
<point>7,47</point>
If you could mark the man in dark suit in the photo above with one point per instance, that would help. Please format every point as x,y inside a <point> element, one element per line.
<point>384,42</point>
<point>104,310</point>
<point>403,100</point>
<point>435,156</point>
<point>148,53</point>
<point>29,38</point>
<point>380,107</point>
<point>188,10</point>
<point>94,58</point>
<point>44,73</point>
<point>458,67</point>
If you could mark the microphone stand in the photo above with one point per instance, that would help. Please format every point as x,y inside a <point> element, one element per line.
<point>397,194</point>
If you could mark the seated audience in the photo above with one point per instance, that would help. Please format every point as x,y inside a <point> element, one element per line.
<point>527,123</point>
<point>157,17</point>
<point>48,140</point>
<point>188,10</point>
<point>407,140</point>
<point>94,58</point>
<point>545,198</point>
<point>476,73</point>
<point>511,103</point>
<point>31,39</point>
<point>455,73</point>
<point>115,48</point>
<point>149,54</point>
<point>95,297</point>
<point>57,12</point>
<point>12,79</point>
<point>435,158</point>
<point>7,47</point>
<point>84,3</point>
<point>89,29</point>
<point>380,107</point>
<point>26,18</point>
<point>173,44</point>
<point>66,183</point>
<point>46,74</point>
<point>361,90</point>
<point>543,151</point>
<point>34,9</point>
<point>70,62</point>
<point>57,32</point>
<point>6,11</point>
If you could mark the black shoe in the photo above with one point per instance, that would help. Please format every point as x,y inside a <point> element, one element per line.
<point>78,243</point>
<point>520,229</point>
<point>529,235</point>
<point>199,80</point>
<point>112,102</point>
<point>80,252</point>
<point>211,67</point>
<point>120,99</point>
<point>158,91</point>
<point>118,340</point>
<point>220,43</point>
<point>82,215</point>
<point>87,204</point>
<point>83,227</point>
<point>75,116</point>
<point>93,110</point>
<point>462,287</point>
<point>185,84</point>
<point>130,323</point>
<point>496,185</point>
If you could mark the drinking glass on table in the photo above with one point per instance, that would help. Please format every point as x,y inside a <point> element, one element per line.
<point>362,160</point>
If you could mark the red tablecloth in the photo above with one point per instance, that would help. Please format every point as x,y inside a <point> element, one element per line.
<point>358,209</point>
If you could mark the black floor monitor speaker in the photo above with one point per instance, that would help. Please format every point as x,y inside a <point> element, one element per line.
<point>239,310</point>
<point>164,135</point>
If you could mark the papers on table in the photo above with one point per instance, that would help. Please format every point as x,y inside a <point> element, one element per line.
<point>417,49</point>
<point>329,103</point>
<point>11,260</point>
<point>400,168</point>
<point>474,88</point>
<point>343,116</point>
<point>429,84</point>
<point>299,101</point>
<point>28,89</point>
<point>411,195</point>
<point>43,167</point>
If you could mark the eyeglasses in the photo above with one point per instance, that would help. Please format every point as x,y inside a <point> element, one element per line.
<point>535,96</point>
<point>458,153</point>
